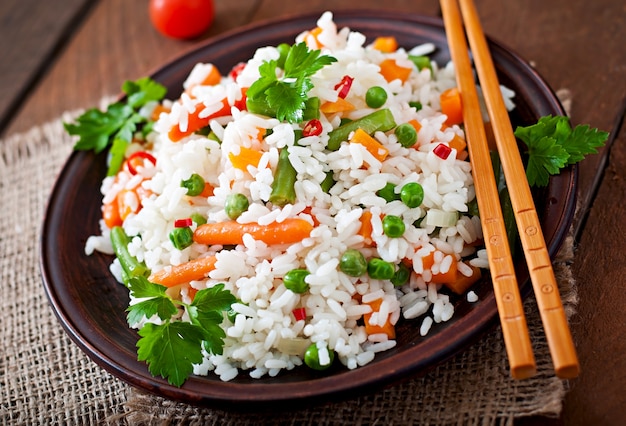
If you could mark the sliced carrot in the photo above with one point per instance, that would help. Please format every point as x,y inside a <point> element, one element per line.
<point>429,260</point>
<point>340,105</point>
<point>246,157</point>
<point>450,102</point>
<point>462,282</point>
<point>156,112</point>
<point>446,277</point>
<point>195,122</point>
<point>207,191</point>
<point>459,144</point>
<point>416,124</point>
<point>387,328</point>
<point>366,227</point>
<point>213,78</point>
<point>124,207</point>
<point>111,214</point>
<point>314,33</point>
<point>289,231</point>
<point>385,44</point>
<point>391,71</point>
<point>372,145</point>
<point>193,270</point>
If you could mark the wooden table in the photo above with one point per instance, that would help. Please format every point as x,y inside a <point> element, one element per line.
<point>67,54</point>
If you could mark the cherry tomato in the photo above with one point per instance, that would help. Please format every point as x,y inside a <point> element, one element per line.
<point>184,19</point>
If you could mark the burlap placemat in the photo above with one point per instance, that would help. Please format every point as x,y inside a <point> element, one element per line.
<point>46,379</point>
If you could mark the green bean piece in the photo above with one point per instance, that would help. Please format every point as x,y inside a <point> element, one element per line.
<point>406,134</point>
<point>198,219</point>
<point>294,280</point>
<point>379,269</point>
<point>393,226</point>
<point>130,266</point>
<point>194,185</point>
<point>353,263</point>
<point>380,120</point>
<point>375,97</point>
<point>328,182</point>
<point>412,194</point>
<point>312,358</point>
<point>416,104</point>
<point>181,238</point>
<point>401,276</point>
<point>388,192</point>
<point>283,187</point>
<point>235,205</point>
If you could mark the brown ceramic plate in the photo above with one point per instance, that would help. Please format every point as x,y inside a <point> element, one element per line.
<point>90,304</point>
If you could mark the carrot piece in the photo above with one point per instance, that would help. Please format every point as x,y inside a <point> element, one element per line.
<point>459,144</point>
<point>366,227</point>
<point>372,145</point>
<point>207,191</point>
<point>387,328</point>
<point>290,230</point>
<point>462,282</point>
<point>450,102</point>
<point>125,199</point>
<point>340,105</point>
<point>213,78</point>
<point>385,44</point>
<point>111,214</point>
<point>156,112</point>
<point>446,277</point>
<point>428,261</point>
<point>314,34</point>
<point>195,122</point>
<point>390,70</point>
<point>246,157</point>
<point>192,270</point>
<point>416,124</point>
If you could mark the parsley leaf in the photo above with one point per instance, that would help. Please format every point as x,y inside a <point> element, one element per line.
<point>285,97</point>
<point>553,145</point>
<point>173,347</point>
<point>98,129</point>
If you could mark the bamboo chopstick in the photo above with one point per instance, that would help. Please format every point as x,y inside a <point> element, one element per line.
<point>506,290</point>
<point>537,257</point>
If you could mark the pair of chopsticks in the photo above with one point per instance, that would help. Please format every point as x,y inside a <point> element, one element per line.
<point>515,331</point>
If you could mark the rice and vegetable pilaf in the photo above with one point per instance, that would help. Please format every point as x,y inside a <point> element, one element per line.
<point>295,209</point>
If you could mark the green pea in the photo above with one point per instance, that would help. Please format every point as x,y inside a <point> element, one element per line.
<point>312,358</point>
<point>198,219</point>
<point>375,97</point>
<point>380,269</point>
<point>194,185</point>
<point>294,280</point>
<point>393,226</point>
<point>235,205</point>
<point>412,194</point>
<point>406,134</point>
<point>353,263</point>
<point>181,237</point>
<point>401,276</point>
<point>388,192</point>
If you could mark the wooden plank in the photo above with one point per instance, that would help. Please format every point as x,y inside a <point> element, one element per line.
<point>30,33</point>
<point>95,63</point>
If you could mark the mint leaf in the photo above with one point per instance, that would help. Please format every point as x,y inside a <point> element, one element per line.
<point>170,349</point>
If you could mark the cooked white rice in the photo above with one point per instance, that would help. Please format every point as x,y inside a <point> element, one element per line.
<point>335,303</point>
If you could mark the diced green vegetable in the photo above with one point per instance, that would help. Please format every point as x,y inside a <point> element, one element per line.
<point>194,185</point>
<point>181,238</point>
<point>130,265</point>
<point>283,187</point>
<point>393,226</point>
<point>353,263</point>
<point>388,192</point>
<point>235,205</point>
<point>401,276</point>
<point>380,120</point>
<point>412,194</point>
<point>406,134</point>
<point>375,97</point>
<point>436,217</point>
<point>380,269</point>
<point>294,280</point>
<point>312,358</point>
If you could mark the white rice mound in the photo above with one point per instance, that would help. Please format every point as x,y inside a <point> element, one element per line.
<point>265,337</point>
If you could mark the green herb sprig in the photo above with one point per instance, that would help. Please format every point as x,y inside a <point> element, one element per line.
<point>98,129</point>
<point>553,145</point>
<point>286,93</point>
<point>173,347</point>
